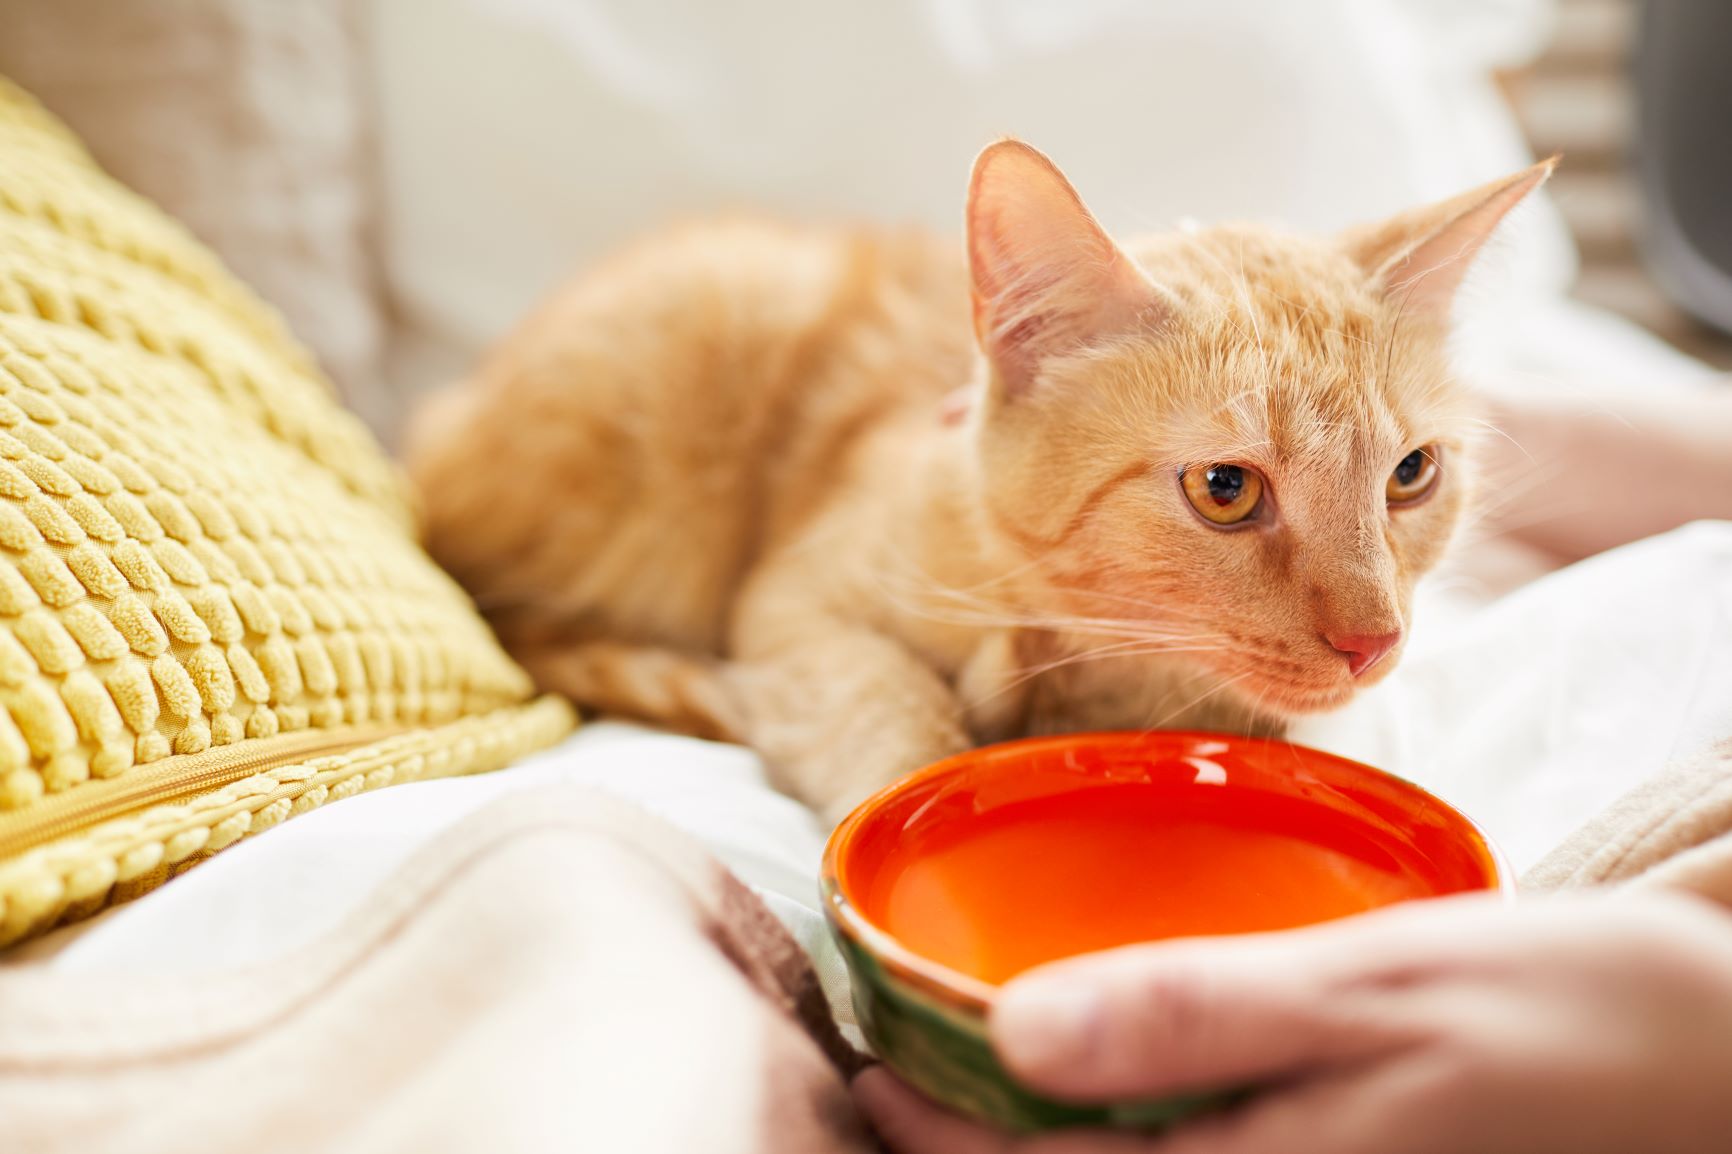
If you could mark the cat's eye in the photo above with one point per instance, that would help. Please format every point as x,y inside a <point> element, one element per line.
<point>1224,494</point>
<point>1414,477</point>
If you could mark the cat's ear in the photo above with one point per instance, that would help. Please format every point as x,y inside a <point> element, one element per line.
<point>1420,257</point>
<point>1046,277</point>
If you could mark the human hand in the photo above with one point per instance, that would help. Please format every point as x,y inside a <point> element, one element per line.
<point>1597,469</point>
<point>1459,1026</point>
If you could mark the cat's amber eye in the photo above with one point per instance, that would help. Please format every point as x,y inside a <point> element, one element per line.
<point>1224,494</point>
<point>1414,477</point>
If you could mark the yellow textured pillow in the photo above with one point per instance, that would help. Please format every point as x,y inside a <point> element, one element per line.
<point>213,613</point>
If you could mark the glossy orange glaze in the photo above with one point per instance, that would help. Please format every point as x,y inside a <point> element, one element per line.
<point>1005,865</point>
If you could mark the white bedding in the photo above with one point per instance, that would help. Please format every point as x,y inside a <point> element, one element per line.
<point>282,889</point>
<point>1531,713</point>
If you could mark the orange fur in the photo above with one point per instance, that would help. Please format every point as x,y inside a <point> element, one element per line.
<point>726,481</point>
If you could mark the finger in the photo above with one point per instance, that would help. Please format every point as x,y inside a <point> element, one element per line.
<point>910,1123</point>
<point>1155,1023</point>
<point>1291,1121</point>
<point>1377,1112</point>
<point>1205,1013</point>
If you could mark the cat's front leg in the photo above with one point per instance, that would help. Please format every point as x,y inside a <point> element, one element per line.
<point>842,711</point>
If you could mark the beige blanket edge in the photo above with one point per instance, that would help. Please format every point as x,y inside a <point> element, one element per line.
<point>1675,830</point>
<point>557,972</point>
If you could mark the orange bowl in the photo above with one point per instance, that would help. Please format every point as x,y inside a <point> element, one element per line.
<point>972,870</point>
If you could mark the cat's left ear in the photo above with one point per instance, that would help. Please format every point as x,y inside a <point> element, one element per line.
<point>1046,277</point>
<point>1420,257</point>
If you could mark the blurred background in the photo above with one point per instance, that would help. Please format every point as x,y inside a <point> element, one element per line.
<point>1579,96</point>
<point>404,178</point>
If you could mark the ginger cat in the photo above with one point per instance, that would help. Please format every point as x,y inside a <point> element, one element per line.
<point>860,503</point>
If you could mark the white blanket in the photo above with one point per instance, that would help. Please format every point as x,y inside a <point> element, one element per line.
<point>1531,713</point>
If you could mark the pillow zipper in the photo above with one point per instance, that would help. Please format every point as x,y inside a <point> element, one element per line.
<point>171,779</point>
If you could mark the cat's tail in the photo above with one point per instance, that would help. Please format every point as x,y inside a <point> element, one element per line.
<point>661,686</point>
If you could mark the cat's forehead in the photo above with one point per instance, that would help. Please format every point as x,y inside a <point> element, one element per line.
<point>1282,351</point>
<point>1306,284</point>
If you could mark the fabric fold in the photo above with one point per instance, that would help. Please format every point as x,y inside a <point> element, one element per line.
<point>557,971</point>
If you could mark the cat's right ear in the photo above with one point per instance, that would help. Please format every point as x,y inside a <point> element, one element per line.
<point>1046,278</point>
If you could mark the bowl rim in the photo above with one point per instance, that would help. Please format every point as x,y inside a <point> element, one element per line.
<point>970,993</point>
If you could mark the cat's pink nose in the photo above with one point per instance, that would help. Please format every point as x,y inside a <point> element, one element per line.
<point>1363,650</point>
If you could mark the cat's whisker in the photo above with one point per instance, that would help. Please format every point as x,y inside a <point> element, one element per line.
<point>1119,649</point>
<point>992,617</point>
<point>971,610</point>
<point>1172,616</point>
<point>1528,494</point>
<point>1000,578</point>
<point>1224,684</point>
<point>1492,427</point>
<point>1124,599</point>
<point>1257,706</point>
<point>1056,624</point>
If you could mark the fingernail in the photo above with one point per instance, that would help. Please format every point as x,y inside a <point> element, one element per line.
<point>1043,1025</point>
<point>872,1087</point>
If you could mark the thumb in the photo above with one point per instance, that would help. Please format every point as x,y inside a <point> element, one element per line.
<point>1208,1013</point>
